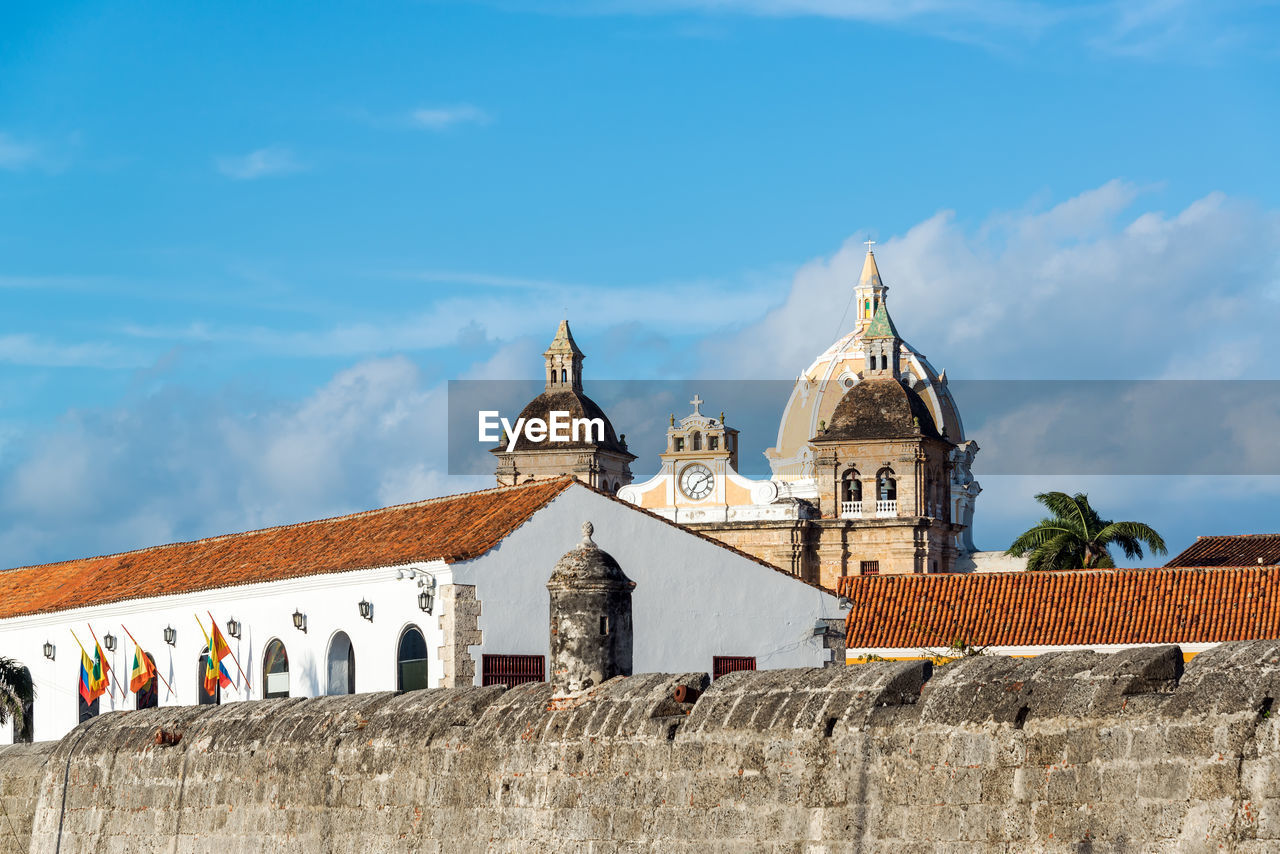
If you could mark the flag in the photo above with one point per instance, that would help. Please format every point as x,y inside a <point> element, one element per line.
<point>143,670</point>
<point>101,671</point>
<point>215,672</point>
<point>86,677</point>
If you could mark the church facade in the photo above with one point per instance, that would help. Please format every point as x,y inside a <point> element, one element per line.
<point>871,471</point>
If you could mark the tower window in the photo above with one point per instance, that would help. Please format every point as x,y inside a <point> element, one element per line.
<point>679,443</point>
<point>713,443</point>
<point>886,486</point>
<point>564,375</point>
<point>884,363</point>
<point>604,625</point>
<point>697,441</point>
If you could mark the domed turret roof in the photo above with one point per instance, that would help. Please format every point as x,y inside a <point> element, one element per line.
<point>586,564</point>
<point>881,408</point>
<point>578,405</point>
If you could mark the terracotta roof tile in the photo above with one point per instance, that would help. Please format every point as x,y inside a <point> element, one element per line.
<point>1233,550</point>
<point>453,528</point>
<point>1128,606</point>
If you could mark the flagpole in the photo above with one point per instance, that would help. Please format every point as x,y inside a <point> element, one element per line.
<point>157,667</point>
<point>98,644</point>
<point>214,624</point>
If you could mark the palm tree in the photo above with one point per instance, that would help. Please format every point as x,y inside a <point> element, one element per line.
<point>1076,537</point>
<point>17,692</point>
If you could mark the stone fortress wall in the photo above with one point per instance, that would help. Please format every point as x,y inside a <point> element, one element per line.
<point>1076,751</point>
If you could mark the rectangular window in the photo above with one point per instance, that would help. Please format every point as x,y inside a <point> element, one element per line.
<point>722,664</point>
<point>679,443</point>
<point>512,670</point>
<point>870,567</point>
<point>714,443</point>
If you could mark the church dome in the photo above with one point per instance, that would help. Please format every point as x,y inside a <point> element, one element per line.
<point>578,405</point>
<point>823,385</point>
<point>881,408</point>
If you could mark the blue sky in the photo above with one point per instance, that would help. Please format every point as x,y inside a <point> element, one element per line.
<point>242,246</point>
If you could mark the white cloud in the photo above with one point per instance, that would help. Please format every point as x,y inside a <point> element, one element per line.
<point>264,162</point>
<point>174,465</point>
<point>1085,289</point>
<point>443,118</point>
<point>15,155</point>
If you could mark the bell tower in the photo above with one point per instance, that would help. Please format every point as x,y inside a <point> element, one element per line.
<point>564,361</point>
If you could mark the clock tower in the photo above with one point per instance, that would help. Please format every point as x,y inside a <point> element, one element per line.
<point>700,452</point>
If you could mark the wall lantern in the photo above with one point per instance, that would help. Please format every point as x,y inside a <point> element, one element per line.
<point>233,628</point>
<point>49,650</point>
<point>109,641</point>
<point>820,629</point>
<point>427,598</point>
<point>170,635</point>
<point>366,609</point>
<point>300,621</point>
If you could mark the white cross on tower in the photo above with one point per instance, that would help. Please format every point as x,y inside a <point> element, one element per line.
<point>697,402</point>
<point>869,244</point>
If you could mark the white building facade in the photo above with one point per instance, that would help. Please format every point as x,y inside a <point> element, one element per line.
<point>445,592</point>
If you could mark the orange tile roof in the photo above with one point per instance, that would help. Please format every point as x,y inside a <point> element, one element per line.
<point>453,528</point>
<point>1231,550</point>
<point>1126,606</point>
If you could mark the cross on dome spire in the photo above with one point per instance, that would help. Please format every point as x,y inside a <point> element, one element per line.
<point>869,244</point>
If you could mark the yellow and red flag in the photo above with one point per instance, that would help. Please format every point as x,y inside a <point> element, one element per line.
<point>100,677</point>
<point>143,670</point>
<point>215,672</point>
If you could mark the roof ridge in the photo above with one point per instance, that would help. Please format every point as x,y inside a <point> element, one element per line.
<point>565,479</point>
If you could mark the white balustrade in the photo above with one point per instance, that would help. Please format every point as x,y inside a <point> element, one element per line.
<point>886,508</point>
<point>850,509</point>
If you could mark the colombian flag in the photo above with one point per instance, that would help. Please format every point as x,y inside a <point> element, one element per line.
<point>143,670</point>
<point>86,678</point>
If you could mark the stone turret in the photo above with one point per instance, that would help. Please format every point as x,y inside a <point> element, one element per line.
<point>591,633</point>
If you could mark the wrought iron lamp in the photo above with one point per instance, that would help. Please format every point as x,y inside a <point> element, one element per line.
<point>233,628</point>
<point>49,650</point>
<point>170,635</point>
<point>366,609</point>
<point>109,642</point>
<point>299,621</point>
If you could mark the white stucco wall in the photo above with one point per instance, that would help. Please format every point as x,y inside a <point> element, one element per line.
<point>693,600</point>
<point>265,611</point>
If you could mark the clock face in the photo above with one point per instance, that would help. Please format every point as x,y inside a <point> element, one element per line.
<point>696,481</point>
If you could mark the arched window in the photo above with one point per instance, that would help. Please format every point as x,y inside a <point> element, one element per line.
<point>148,696</point>
<point>275,671</point>
<point>203,697</point>
<point>342,666</point>
<point>850,486</point>
<point>886,485</point>
<point>866,307</point>
<point>564,375</point>
<point>884,363</point>
<point>25,734</point>
<point>697,441</point>
<point>411,660</point>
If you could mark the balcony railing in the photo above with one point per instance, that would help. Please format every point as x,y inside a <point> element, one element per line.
<point>850,509</point>
<point>887,508</point>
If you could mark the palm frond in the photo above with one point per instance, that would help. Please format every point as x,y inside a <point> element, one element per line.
<point>1136,533</point>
